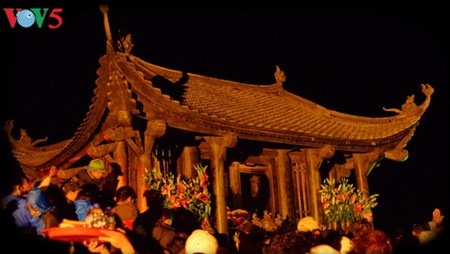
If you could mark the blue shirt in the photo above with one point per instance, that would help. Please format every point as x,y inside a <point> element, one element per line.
<point>25,220</point>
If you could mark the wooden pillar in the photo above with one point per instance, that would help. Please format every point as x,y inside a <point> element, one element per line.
<point>218,146</point>
<point>142,163</point>
<point>187,160</point>
<point>314,158</point>
<point>120,156</point>
<point>284,182</point>
<point>155,129</point>
<point>235,183</point>
<point>364,163</point>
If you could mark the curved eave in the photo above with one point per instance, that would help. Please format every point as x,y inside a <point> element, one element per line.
<point>263,112</point>
<point>206,125</point>
<point>43,156</point>
<point>35,156</point>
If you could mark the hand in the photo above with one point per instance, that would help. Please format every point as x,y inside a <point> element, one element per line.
<point>96,247</point>
<point>9,125</point>
<point>118,240</point>
<point>53,171</point>
<point>72,195</point>
<point>437,217</point>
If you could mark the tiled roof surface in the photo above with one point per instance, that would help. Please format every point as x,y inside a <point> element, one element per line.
<point>270,107</point>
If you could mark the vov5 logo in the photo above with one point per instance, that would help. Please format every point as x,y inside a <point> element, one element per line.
<point>34,16</point>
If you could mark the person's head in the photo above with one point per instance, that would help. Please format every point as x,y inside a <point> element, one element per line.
<point>97,168</point>
<point>201,242</point>
<point>299,242</point>
<point>88,192</point>
<point>184,221</point>
<point>250,238</point>
<point>375,241</point>
<point>116,169</point>
<point>177,245</point>
<point>37,202</point>
<point>125,193</point>
<point>360,227</point>
<point>25,186</point>
<point>20,185</point>
<point>307,223</point>
<point>154,199</point>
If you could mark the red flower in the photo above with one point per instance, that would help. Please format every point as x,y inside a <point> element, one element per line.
<point>206,223</point>
<point>165,190</point>
<point>203,197</point>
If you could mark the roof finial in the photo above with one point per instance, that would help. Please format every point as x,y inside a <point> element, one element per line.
<point>104,10</point>
<point>280,77</point>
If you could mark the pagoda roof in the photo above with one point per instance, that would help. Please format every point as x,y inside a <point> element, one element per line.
<point>211,106</point>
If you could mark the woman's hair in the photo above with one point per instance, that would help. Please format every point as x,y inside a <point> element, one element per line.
<point>375,241</point>
<point>360,227</point>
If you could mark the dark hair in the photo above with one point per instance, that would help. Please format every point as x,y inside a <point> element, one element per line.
<point>125,192</point>
<point>89,192</point>
<point>251,238</point>
<point>17,179</point>
<point>184,221</point>
<point>291,242</point>
<point>154,199</point>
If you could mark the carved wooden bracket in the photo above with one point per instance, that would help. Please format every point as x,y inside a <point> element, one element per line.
<point>364,163</point>
<point>264,158</point>
<point>317,155</point>
<point>119,134</point>
<point>398,153</point>
<point>101,150</point>
<point>155,129</point>
<point>342,170</point>
<point>223,142</point>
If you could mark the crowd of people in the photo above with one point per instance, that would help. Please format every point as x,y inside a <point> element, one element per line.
<point>29,207</point>
<point>359,238</point>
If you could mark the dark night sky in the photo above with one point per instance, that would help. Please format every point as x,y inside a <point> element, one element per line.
<point>350,60</point>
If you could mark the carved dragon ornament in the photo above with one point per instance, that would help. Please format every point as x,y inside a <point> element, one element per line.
<point>410,108</point>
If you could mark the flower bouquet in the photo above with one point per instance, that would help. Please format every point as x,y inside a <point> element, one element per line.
<point>236,217</point>
<point>190,193</point>
<point>343,204</point>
